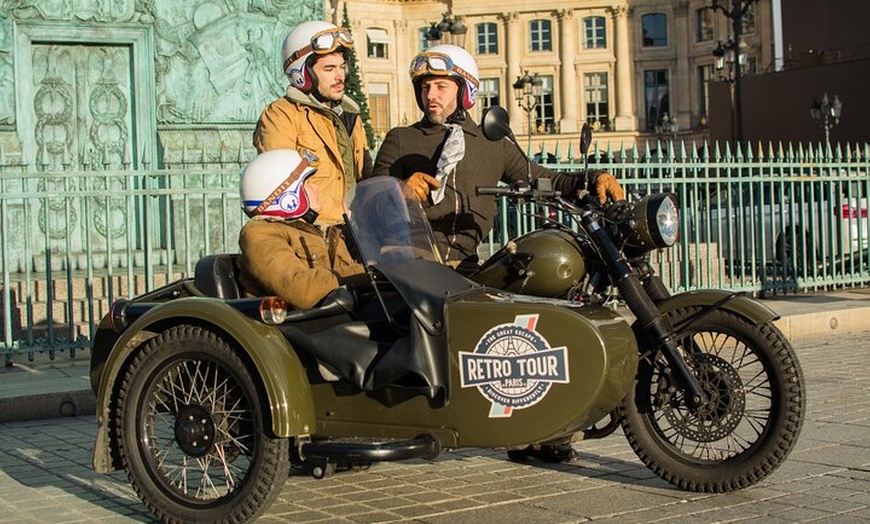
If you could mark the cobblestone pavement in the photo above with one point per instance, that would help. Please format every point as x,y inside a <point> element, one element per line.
<point>45,474</point>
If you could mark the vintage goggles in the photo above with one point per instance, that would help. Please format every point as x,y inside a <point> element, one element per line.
<point>437,64</point>
<point>325,42</point>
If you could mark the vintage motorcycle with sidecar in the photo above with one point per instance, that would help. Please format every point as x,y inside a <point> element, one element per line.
<point>206,397</point>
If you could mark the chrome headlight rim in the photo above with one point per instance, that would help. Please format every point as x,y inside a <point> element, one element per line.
<point>655,222</point>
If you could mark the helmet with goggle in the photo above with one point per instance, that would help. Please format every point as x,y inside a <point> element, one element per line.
<point>273,184</point>
<point>306,40</point>
<point>450,61</point>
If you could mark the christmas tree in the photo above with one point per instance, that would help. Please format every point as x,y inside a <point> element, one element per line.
<point>353,86</point>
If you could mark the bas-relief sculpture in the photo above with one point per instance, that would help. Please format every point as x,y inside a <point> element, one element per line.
<point>216,61</point>
<point>216,65</point>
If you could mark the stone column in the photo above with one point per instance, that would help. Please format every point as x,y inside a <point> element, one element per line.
<point>567,55</point>
<point>680,91</point>
<point>625,118</point>
<point>513,36</point>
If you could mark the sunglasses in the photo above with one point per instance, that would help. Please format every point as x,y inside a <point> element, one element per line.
<point>323,43</point>
<point>437,64</point>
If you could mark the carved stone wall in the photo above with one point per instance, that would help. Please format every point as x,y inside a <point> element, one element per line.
<point>211,64</point>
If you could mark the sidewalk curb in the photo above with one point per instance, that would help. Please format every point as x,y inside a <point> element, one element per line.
<point>47,405</point>
<point>824,323</point>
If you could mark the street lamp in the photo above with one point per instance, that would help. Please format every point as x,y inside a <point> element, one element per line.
<point>736,13</point>
<point>826,114</point>
<point>450,30</point>
<point>734,57</point>
<point>527,90</point>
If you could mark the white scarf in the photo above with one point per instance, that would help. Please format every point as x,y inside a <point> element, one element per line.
<point>453,152</point>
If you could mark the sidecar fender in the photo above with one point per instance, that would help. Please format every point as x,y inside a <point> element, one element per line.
<point>741,305</point>
<point>278,367</point>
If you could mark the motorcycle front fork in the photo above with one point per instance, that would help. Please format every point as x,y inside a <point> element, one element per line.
<point>642,305</point>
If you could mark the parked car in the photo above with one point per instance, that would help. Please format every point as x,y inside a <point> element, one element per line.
<point>795,224</point>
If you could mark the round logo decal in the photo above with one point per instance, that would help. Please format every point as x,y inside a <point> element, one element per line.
<point>513,366</point>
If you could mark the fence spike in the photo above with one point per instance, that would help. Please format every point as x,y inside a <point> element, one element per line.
<point>145,158</point>
<point>570,151</point>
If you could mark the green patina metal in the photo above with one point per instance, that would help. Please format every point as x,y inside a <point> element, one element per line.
<point>109,84</point>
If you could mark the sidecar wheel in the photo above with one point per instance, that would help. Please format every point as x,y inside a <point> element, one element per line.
<point>192,431</point>
<point>749,426</point>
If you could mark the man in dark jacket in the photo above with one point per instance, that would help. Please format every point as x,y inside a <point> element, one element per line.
<point>444,157</point>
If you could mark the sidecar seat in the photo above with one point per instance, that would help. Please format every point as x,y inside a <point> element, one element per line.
<point>218,276</point>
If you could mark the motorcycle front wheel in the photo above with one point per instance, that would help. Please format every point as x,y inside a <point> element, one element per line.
<point>192,431</point>
<point>750,423</point>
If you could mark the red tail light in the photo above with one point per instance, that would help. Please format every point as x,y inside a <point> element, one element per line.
<point>848,211</point>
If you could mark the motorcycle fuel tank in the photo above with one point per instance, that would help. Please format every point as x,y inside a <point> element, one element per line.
<point>543,263</point>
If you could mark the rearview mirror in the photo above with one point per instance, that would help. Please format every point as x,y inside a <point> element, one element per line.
<point>585,138</point>
<point>495,123</point>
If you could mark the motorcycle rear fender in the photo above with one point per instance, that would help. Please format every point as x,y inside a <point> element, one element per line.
<point>746,307</point>
<point>278,367</point>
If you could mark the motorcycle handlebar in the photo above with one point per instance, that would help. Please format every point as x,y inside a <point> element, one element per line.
<point>494,191</point>
<point>517,192</point>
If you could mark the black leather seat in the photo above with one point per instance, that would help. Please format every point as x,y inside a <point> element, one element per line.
<point>218,276</point>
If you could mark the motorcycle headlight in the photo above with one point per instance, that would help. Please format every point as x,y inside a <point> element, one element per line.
<point>655,222</point>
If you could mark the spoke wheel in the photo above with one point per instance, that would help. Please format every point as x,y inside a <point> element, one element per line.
<point>192,431</point>
<point>755,408</point>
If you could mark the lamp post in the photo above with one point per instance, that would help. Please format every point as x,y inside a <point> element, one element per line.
<point>826,114</point>
<point>450,30</point>
<point>527,90</point>
<point>733,56</point>
<point>736,13</point>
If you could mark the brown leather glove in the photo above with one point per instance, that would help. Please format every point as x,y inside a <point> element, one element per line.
<point>419,184</point>
<point>607,186</point>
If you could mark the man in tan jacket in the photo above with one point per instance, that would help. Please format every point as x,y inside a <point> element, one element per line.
<point>302,259</point>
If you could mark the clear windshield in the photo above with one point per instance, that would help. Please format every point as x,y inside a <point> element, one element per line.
<point>387,226</point>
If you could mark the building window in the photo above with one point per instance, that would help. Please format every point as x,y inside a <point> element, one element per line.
<point>749,19</point>
<point>705,76</point>
<point>379,109</point>
<point>545,112</point>
<point>488,94</point>
<point>487,39</point>
<point>655,30</point>
<point>541,35</point>
<point>422,41</point>
<point>597,109</point>
<point>655,90</point>
<point>704,24</point>
<point>594,33</point>
<point>377,41</point>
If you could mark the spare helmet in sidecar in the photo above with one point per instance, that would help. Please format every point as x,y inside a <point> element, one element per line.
<point>272,184</point>
<point>387,226</point>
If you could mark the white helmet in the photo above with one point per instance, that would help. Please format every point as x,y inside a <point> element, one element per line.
<point>272,184</point>
<point>307,38</point>
<point>451,61</point>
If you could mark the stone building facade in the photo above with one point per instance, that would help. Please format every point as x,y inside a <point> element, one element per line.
<point>621,65</point>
